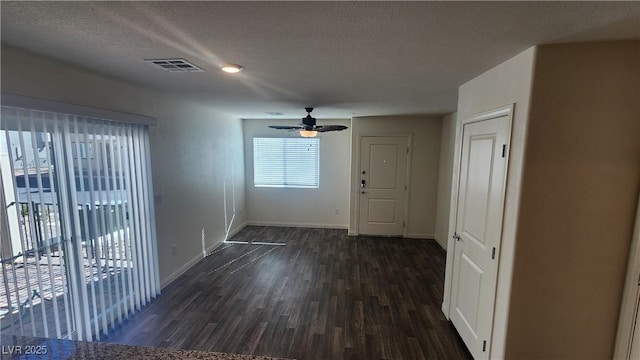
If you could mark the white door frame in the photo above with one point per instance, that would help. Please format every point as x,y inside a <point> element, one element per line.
<point>453,209</point>
<point>630,297</point>
<point>356,181</point>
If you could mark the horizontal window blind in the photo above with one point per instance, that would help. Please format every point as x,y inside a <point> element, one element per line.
<point>286,162</point>
<point>80,256</point>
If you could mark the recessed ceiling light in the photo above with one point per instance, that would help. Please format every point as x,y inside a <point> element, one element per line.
<point>274,113</point>
<point>232,68</point>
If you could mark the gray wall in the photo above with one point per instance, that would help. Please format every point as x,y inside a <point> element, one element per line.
<point>445,170</point>
<point>302,207</point>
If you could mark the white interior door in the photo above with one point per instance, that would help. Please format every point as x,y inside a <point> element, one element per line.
<point>628,338</point>
<point>635,341</point>
<point>478,231</point>
<point>383,181</point>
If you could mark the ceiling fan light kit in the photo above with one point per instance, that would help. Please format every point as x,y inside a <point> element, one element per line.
<point>308,128</point>
<point>231,68</point>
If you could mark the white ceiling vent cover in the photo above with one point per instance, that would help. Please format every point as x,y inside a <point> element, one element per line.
<point>175,65</point>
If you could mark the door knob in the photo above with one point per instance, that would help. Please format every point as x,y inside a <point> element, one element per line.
<point>456,236</point>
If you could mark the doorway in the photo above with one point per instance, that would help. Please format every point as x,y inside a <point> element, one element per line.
<point>382,191</point>
<point>478,228</point>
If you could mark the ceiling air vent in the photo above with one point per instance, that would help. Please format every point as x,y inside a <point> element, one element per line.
<point>175,65</point>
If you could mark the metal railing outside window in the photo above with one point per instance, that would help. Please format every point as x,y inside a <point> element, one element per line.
<point>78,248</point>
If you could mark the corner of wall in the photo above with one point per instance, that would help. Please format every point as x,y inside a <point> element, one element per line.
<point>445,172</point>
<point>189,264</point>
<point>581,153</point>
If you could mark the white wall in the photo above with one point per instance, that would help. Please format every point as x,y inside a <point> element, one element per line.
<point>301,207</point>
<point>505,84</point>
<point>445,170</point>
<point>425,155</point>
<point>193,149</point>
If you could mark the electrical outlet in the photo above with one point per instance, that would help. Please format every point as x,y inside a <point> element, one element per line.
<point>174,249</point>
<point>336,211</point>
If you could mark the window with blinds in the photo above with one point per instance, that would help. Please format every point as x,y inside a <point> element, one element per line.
<point>78,251</point>
<point>286,162</point>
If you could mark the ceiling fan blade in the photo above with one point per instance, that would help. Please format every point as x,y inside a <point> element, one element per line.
<point>325,128</point>
<point>284,127</point>
<point>309,124</point>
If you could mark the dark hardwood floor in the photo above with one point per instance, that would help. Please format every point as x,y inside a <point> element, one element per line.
<point>322,296</point>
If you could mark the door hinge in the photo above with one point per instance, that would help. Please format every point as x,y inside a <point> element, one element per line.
<point>407,149</point>
<point>638,279</point>
<point>484,345</point>
<point>493,254</point>
<point>404,224</point>
<point>504,150</point>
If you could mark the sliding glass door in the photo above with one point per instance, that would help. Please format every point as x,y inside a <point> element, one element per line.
<point>78,247</point>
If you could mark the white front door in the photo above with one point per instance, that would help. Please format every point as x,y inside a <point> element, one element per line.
<point>382,186</point>
<point>478,231</point>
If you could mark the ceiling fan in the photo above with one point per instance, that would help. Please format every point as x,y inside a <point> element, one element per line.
<point>308,128</point>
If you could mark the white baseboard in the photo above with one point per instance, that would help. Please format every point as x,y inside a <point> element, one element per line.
<point>304,225</point>
<point>409,235</point>
<point>181,270</point>
<point>189,264</point>
<point>445,311</point>
<point>420,236</point>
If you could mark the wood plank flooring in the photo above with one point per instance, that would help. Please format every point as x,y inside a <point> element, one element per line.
<point>322,296</point>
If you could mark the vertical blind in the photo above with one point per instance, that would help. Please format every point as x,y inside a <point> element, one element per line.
<point>286,162</point>
<point>78,255</point>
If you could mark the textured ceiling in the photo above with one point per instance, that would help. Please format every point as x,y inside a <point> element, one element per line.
<point>345,58</point>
